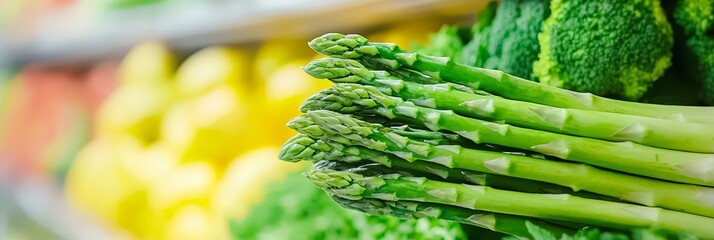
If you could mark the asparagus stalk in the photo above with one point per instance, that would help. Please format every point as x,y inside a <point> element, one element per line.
<point>303,147</point>
<point>681,197</point>
<point>656,132</point>
<point>679,166</point>
<point>503,223</point>
<point>391,57</point>
<point>358,183</point>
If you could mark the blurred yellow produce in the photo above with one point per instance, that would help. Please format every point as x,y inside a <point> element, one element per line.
<point>144,95</point>
<point>275,53</point>
<point>147,63</point>
<point>285,90</point>
<point>179,153</point>
<point>245,182</point>
<point>99,183</point>
<point>212,118</point>
<point>245,179</point>
<point>213,125</point>
<point>192,222</point>
<point>407,34</point>
<point>135,110</point>
<point>188,183</point>
<point>211,68</point>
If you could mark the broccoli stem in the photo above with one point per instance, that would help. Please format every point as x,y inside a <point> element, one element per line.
<point>655,132</point>
<point>357,184</point>
<point>391,57</point>
<point>304,147</point>
<point>325,124</point>
<point>503,223</point>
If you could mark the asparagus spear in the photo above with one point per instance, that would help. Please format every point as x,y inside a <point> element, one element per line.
<point>303,147</point>
<point>656,132</point>
<point>391,57</point>
<point>679,166</point>
<point>646,191</point>
<point>358,183</point>
<point>503,223</point>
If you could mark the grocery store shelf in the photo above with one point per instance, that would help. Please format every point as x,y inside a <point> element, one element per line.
<point>65,38</point>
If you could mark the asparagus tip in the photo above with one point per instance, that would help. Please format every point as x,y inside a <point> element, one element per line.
<point>342,46</point>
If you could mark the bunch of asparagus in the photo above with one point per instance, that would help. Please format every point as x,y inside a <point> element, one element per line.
<point>411,135</point>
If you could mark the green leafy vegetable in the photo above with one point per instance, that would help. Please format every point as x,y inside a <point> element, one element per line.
<point>446,43</point>
<point>296,209</point>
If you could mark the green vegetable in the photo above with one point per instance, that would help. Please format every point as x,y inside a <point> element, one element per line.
<point>358,183</point>
<point>390,57</point>
<point>445,43</point>
<point>601,125</point>
<point>590,233</point>
<point>686,167</point>
<point>607,48</point>
<point>303,147</point>
<point>295,209</point>
<point>475,52</point>
<point>697,19</point>
<point>509,224</point>
<point>325,124</point>
<point>513,44</point>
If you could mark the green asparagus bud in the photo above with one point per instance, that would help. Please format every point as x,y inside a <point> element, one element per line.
<point>359,183</point>
<point>679,166</point>
<point>503,223</point>
<point>682,197</point>
<point>390,57</point>
<point>302,147</point>
<point>655,132</point>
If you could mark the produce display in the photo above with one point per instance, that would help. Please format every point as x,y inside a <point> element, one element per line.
<point>513,119</point>
<point>489,131</point>
<point>171,155</point>
<point>166,154</point>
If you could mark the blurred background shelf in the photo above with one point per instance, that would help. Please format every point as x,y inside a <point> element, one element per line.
<point>75,35</point>
<point>162,119</point>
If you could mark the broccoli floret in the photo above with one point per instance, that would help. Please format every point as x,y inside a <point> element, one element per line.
<point>609,48</point>
<point>696,17</point>
<point>475,52</point>
<point>503,27</point>
<point>446,43</point>
<point>513,46</point>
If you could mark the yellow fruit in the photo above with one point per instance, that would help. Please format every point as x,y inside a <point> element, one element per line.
<point>213,67</point>
<point>210,126</point>
<point>150,62</point>
<point>276,52</point>
<point>285,90</point>
<point>188,183</point>
<point>406,34</point>
<point>97,183</point>
<point>245,182</point>
<point>152,164</point>
<point>137,105</point>
<point>192,222</point>
<point>134,109</point>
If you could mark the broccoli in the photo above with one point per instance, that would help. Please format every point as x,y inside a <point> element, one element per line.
<point>513,46</point>
<point>475,52</point>
<point>608,48</point>
<point>508,41</point>
<point>696,17</point>
<point>446,43</point>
